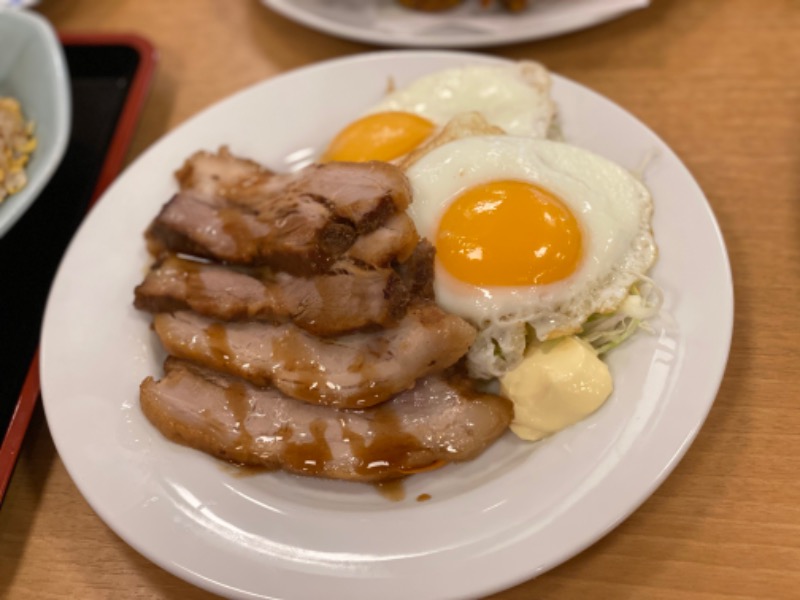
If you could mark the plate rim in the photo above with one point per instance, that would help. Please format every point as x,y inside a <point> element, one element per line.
<point>319,23</point>
<point>620,515</point>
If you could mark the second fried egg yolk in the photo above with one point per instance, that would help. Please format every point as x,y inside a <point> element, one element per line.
<point>380,136</point>
<point>508,233</point>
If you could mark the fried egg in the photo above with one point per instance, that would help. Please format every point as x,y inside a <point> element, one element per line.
<point>531,235</point>
<point>514,97</point>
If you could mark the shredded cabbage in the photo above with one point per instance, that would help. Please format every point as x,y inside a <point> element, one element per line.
<point>605,332</point>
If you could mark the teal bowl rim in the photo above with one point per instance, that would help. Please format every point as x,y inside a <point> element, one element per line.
<point>12,209</point>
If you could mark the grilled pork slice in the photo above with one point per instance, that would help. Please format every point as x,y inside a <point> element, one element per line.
<point>295,234</point>
<point>346,298</point>
<point>437,421</point>
<point>212,174</point>
<point>352,371</point>
<point>392,242</point>
<point>364,194</point>
<point>299,222</point>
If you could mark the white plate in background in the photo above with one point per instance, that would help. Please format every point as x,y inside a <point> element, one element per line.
<point>386,23</point>
<point>512,513</point>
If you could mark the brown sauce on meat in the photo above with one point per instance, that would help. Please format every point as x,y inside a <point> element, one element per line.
<point>317,386</point>
<point>384,380</point>
<point>239,404</point>
<point>391,449</point>
<point>373,387</point>
<point>295,356</point>
<point>235,225</point>
<point>392,490</point>
<point>216,353</point>
<point>310,457</point>
<point>192,277</point>
<point>218,346</point>
<point>305,378</point>
<point>224,303</point>
<point>290,351</point>
<point>248,445</point>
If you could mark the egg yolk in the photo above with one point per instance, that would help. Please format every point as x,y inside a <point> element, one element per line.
<point>381,136</point>
<point>508,233</point>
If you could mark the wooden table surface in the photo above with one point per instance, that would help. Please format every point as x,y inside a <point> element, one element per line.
<point>720,82</point>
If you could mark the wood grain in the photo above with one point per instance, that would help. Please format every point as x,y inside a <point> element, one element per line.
<point>719,80</point>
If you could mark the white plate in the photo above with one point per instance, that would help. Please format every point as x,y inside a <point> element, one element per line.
<point>511,514</point>
<point>385,23</point>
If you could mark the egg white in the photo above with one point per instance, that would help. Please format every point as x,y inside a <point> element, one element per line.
<point>612,207</point>
<point>514,97</point>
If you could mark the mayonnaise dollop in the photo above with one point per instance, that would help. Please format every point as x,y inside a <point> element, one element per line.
<point>556,385</point>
